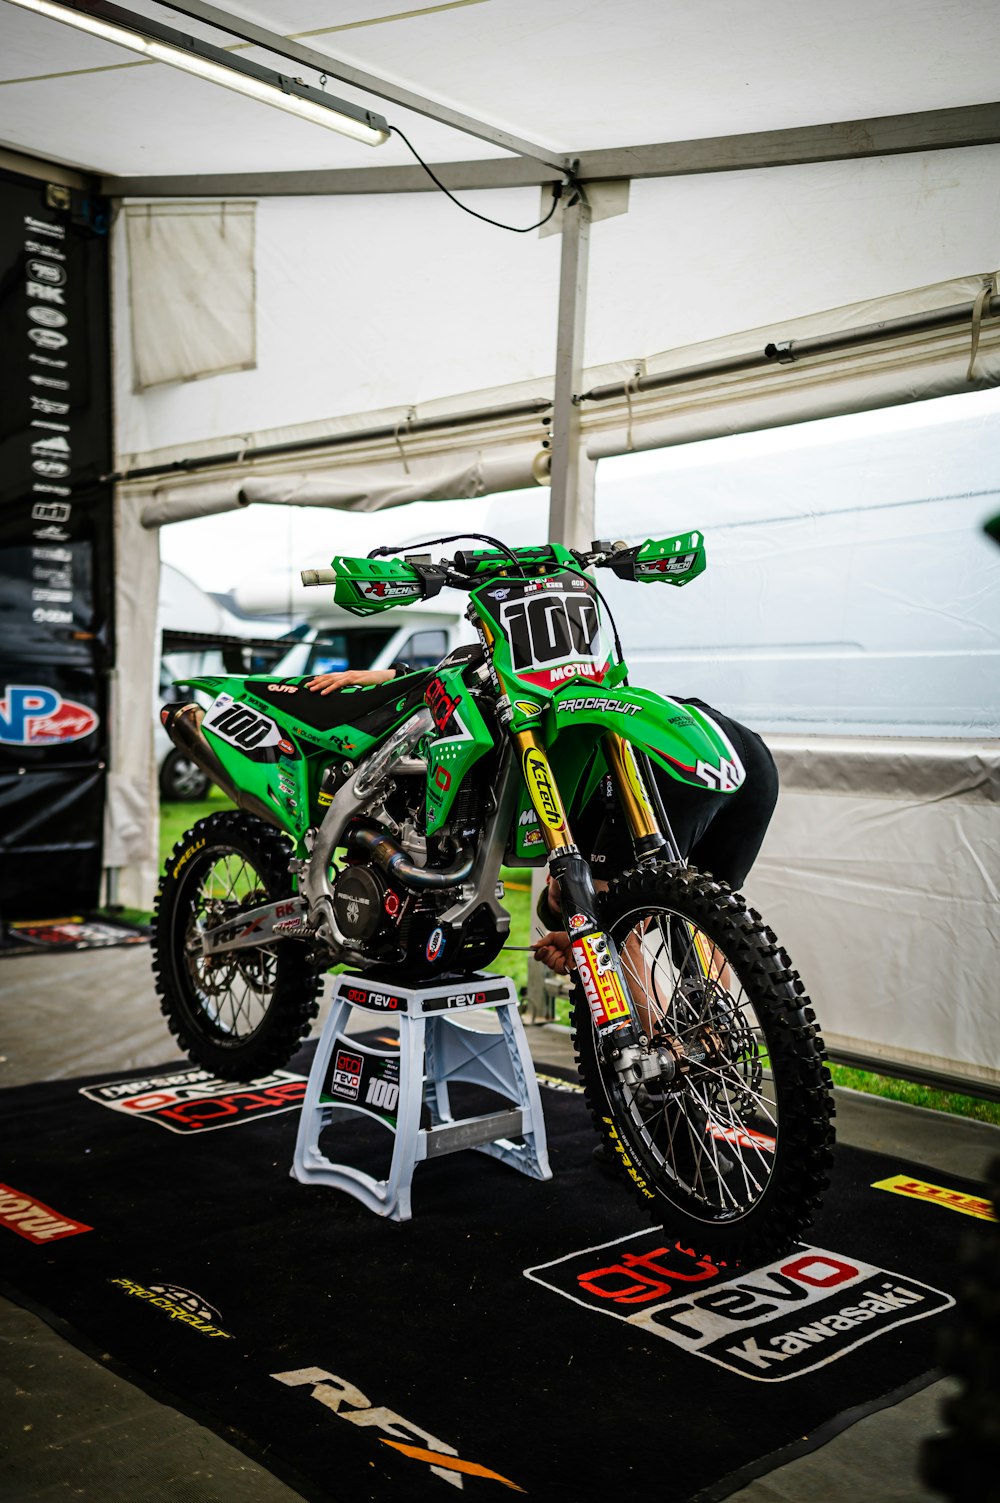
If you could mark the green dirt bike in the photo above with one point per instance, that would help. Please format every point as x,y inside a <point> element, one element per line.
<point>371,827</point>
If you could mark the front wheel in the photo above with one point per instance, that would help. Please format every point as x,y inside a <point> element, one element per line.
<point>240,1014</point>
<point>728,1145</point>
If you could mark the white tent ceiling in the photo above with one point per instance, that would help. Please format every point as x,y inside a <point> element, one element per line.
<point>808,170</point>
<point>570,76</point>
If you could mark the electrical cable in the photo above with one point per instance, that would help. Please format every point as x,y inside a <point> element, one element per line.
<point>557,189</point>
<point>456,537</point>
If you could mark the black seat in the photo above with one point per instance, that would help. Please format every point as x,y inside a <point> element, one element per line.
<point>371,709</point>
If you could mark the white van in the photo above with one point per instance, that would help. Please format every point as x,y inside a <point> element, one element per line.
<point>419,635</point>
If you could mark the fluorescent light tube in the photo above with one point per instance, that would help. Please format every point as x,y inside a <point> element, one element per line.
<point>240,74</point>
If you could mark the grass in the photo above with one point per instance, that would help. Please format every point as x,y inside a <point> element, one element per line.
<point>912,1094</point>
<point>175,819</point>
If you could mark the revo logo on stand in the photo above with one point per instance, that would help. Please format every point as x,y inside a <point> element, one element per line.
<point>35,715</point>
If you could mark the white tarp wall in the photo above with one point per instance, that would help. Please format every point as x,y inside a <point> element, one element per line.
<point>373,309</point>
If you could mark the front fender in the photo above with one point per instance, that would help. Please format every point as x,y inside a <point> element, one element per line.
<point>680,738</point>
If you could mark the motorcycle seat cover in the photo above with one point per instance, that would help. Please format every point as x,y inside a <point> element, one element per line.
<point>344,707</point>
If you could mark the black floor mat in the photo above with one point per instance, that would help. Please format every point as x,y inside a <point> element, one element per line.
<point>514,1334</point>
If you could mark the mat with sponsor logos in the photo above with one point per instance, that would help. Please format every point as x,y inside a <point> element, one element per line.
<point>77,932</point>
<point>515,1335</point>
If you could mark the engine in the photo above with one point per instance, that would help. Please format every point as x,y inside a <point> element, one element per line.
<point>397,883</point>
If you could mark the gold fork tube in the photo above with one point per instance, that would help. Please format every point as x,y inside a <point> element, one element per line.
<point>632,791</point>
<point>546,799</point>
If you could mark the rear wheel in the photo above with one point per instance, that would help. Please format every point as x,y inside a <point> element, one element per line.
<point>729,1146</point>
<point>241,1014</point>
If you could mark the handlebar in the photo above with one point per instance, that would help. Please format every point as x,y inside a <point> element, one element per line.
<point>674,560</point>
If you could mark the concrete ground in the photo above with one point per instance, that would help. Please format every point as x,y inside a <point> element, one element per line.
<point>69,1428</point>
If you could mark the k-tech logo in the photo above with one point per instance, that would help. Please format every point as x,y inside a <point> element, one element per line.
<point>35,1221</point>
<point>179,1304</point>
<point>350,1404</point>
<point>34,715</point>
<point>772,1324</point>
<point>541,788</point>
<point>194,1101</point>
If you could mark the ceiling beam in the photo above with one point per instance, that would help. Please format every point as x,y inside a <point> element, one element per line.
<point>887,135</point>
<point>333,67</point>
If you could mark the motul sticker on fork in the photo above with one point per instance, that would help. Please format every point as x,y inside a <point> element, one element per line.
<point>601,986</point>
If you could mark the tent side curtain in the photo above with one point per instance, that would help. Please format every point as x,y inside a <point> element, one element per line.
<point>660,401</point>
<point>880,367</point>
<point>192,290</point>
<point>349,487</point>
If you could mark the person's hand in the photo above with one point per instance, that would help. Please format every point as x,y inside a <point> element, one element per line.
<point>326,683</point>
<point>553,950</point>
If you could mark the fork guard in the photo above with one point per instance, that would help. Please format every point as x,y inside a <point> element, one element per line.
<point>680,738</point>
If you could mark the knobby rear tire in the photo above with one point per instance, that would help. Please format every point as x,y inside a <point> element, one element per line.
<point>244,1016</point>
<point>768,1065</point>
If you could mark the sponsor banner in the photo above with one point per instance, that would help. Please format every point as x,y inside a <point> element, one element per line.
<point>56,548</point>
<point>362,1078</point>
<point>188,1101</point>
<point>37,715</point>
<point>35,1221</point>
<point>178,1304</point>
<point>769,1325</point>
<point>939,1195</point>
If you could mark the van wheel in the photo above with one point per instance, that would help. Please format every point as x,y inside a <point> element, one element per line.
<point>181,780</point>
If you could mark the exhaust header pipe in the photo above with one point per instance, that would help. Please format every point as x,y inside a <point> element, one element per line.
<point>383,851</point>
<point>183,725</point>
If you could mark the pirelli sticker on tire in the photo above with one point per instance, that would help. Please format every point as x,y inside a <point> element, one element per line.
<point>769,1324</point>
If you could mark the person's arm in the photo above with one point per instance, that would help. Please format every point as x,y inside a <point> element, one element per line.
<point>327,683</point>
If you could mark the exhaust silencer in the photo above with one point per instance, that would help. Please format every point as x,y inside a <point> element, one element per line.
<point>183,725</point>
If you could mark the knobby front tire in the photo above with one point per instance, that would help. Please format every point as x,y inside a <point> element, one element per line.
<point>242,1015</point>
<point>731,1153</point>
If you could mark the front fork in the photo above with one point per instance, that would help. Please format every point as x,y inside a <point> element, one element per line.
<point>616,1018</point>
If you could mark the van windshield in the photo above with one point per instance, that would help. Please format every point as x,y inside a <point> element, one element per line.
<point>333,651</point>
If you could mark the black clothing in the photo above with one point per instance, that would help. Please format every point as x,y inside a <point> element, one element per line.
<point>720,833</point>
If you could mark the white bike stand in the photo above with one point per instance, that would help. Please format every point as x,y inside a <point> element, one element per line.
<point>391,1086</point>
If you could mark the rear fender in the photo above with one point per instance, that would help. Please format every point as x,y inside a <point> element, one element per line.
<point>262,751</point>
<point>680,738</point>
